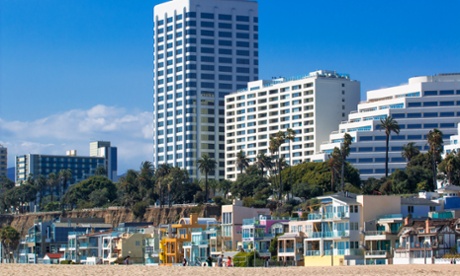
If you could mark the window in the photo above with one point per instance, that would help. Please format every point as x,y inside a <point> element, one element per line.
<point>207,24</point>
<point>242,27</point>
<point>431,93</point>
<point>410,209</point>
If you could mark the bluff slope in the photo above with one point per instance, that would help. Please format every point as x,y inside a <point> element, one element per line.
<point>113,215</point>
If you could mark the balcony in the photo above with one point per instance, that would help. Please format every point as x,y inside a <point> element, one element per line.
<point>376,254</point>
<point>330,234</point>
<point>328,216</point>
<point>378,235</point>
<point>312,253</point>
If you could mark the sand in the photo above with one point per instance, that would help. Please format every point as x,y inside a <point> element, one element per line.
<point>134,270</point>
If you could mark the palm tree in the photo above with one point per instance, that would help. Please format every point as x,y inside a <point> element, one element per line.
<point>334,163</point>
<point>263,161</point>
<point>436,144</point>
<point>160,175</point>
<point>450,166</point>
<point>146,174</point>
<point>52,182</point>
<point>409,151</point>
<point>242,162</point>
<point>274,146</point>
<point>290,136</point>
<point>390,125</point>
<point>9,238</point>
<point>344,152</point>
<point>64,177</point>
<point>206,165</point>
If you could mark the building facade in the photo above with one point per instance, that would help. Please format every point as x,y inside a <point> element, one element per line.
<point>232,222</point>
<point>81,167</point>
<point>311,105</point>
<point>3,161</point>
<point>203,50</point>
<point>421,105</point>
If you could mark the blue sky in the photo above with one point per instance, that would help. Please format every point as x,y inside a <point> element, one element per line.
<point>73,71</point>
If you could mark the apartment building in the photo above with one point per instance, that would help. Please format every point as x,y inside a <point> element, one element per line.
<point>421,105</point>
<point>203,50</point>
<point>311,105</point>
<point>81,167</point>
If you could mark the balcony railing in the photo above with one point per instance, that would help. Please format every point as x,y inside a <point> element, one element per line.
<point>328,216</point>
<point>376,253</point>
<point>330,234</point>
<point>312,253</point>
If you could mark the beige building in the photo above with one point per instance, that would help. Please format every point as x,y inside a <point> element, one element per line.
<point>232,222</point>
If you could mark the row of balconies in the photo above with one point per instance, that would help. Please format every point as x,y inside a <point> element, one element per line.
<point>329,234</point>
<point>327,216</point>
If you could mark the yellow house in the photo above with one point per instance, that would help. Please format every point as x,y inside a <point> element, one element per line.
<point>171,244</point>
<point>132,244</point>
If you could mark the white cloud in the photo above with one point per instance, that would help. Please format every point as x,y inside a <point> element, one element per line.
<point>130,131</point>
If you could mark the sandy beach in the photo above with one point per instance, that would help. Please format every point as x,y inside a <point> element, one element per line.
<point>132,270</point>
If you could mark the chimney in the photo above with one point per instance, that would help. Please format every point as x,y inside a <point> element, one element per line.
<point>193,219</point>
<point>406,220</point>
<point>427,226</point>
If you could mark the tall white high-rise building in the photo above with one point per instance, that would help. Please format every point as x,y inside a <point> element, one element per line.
<point>311,105</point>
<point>203,50</point>
<point>421,105</point>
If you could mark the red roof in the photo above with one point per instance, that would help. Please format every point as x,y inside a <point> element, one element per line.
<point>54,255</point>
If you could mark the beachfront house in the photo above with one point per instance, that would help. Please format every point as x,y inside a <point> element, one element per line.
<point>176,235</point>
<point>421,241</point>
<point>232,222</point>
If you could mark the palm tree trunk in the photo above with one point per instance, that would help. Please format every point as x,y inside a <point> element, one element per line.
<point>342,175</point>
<point>434,185</point>
<point>386,155</point>
<point>206,188</point>
<point>290,168</point>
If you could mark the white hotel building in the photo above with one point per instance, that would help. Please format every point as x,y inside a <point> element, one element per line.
<point>203,50</point>
<point>424,103</point>
<point>454,144</point>
<point>311,105</point>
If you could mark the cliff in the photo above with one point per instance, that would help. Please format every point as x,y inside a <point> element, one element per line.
<point>113,215</point>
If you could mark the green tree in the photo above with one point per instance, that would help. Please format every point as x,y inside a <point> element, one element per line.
<point>344,151</point>
<point>146,180</point>
<point>436,143</point>
<point>290,136</point>
<point>101,171</point>
<point>64,176</point>
<point>161,183</point>
<point>52,182</point>
<point>224,187</point>
<point>450,165</point>
<point>275,143</point>
<point>335,165</point>
<point>140,208</point>
<point>96,191</point>
<point>130,188</point>
<point>263,161</point>
<point>206,165</point>
<point>389,125</point>
<point>242,162</point>
<point>409,151</point>
<point>9,238</point>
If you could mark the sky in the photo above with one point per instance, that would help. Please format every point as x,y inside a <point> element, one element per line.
<point>76,71</point>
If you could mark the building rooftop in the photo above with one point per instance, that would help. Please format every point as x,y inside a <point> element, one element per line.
<point>417,201</point>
